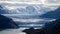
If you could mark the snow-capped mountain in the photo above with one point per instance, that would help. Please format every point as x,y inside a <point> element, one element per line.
<point>28,9</point>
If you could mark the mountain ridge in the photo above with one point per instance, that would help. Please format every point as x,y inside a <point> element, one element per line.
<point>52,14</point>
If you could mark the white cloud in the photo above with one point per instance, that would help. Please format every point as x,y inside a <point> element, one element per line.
<point>13,4</point>
<point>45,2</point>
<point>32,20</point>
<point>21,0</point>
<point>54,1</point>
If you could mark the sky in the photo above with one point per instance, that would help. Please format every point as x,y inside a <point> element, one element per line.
<point>44,2</point>
<point>55,2</point>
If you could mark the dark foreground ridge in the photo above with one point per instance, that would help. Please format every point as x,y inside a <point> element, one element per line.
<point>7,23</point>
<point>34,31</point>
<point>54,29</point>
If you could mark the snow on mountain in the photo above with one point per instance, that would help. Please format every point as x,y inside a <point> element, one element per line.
<point>26,8</point>
<point>30,9</point>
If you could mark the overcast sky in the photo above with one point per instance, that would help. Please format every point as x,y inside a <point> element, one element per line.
<point>33,1</point>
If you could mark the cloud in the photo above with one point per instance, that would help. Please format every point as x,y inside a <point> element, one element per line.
<point>45,2</point>
<point>37,4</point>
<point>54,1</point>
<point>20,0</point>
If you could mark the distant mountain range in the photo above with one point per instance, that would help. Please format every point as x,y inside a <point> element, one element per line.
<point>52,14</point>
<point>43,12</point>
<point>2,11</point>
<point>27,10</point>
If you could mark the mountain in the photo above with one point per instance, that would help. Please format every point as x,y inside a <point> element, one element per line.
<point>2,11</point>
<point>7,23</point>
<point>52,14</point>
<point>50,28</point>
<point>30,9</point>
<point>53,27</point>
<point>26,10</point>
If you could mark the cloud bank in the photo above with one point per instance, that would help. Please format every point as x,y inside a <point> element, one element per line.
<point>39,5</point>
